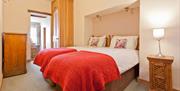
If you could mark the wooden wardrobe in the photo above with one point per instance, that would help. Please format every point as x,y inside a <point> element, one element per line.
<point>14,54</point>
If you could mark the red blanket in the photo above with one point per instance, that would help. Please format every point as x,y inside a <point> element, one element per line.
<point>82,71</point>
<point>43,57</point>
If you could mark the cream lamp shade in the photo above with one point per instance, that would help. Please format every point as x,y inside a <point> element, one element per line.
<point>158,33</point>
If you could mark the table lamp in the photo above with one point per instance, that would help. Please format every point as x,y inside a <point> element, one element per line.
<point>158,34</point>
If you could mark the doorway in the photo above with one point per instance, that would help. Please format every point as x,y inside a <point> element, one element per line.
<point>40,33</point>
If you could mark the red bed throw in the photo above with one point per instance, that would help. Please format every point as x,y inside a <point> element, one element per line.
<point>43,57</point>
<point>82,71</point>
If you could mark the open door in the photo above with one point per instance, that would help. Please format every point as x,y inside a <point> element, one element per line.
<point>62,23</point>
<point>56,30</point>
<point>55,25</point>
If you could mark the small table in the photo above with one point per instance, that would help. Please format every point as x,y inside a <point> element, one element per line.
<point>160,73</point>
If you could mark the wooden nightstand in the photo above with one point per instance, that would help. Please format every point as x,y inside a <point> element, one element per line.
<point>160,73</point>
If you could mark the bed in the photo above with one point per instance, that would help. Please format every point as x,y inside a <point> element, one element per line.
<point>127,61</point>
<point>43,58</point>
<point>128,65</point>
<point>128,57</point>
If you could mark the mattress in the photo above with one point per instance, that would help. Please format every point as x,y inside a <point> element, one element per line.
<point>124,58</point>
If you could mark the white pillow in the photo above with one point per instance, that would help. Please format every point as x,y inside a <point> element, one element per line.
<point>131,41</point>
<point>93,41</point>
<point>101,41</point>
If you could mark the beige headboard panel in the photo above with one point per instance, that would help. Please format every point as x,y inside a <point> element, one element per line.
<point>124,22</point>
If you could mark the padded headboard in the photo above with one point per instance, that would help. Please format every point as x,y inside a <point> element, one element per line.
<point>108,40</point>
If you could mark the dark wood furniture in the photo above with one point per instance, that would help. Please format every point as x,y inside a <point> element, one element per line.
<point>160,73</point>
<point>14,54</point>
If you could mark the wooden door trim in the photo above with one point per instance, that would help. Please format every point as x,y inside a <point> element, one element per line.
<point>39,16</point>
<point>44,32</point>
<point>39,12</point>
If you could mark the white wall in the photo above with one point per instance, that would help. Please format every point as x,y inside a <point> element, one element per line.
<point>17,19</point>
<point>1,29</point>
<point>154,14</point>
<point>83,8</point>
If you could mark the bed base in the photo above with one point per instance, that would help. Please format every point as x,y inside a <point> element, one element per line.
<point>127,78</point>
<point>118,85</point>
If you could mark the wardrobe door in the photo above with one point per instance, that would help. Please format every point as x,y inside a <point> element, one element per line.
<point>14,54</point>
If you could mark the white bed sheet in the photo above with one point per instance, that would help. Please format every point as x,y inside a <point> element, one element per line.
<point>125,58</point>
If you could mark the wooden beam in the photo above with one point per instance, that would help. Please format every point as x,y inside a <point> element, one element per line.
<point>39,16</point>
<point>39,12</point>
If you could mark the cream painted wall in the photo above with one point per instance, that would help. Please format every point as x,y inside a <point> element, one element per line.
<point>83,8</point>
<point>118,23</point>
<point>1,29</point>
<point>17,19</point>
<point>155,14</point>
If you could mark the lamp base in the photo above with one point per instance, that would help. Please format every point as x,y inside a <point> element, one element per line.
<point>160,55</point>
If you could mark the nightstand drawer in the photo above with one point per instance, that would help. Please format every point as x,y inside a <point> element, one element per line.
<point>158,69</point>
<point>159,83</point>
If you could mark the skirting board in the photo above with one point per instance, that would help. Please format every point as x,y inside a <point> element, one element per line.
<point>146,83</point>
<point>1,79</point>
